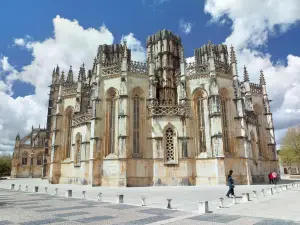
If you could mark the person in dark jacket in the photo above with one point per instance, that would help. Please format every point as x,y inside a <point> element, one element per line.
<point>230,182</point>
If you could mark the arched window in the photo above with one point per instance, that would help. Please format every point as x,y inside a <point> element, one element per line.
<point>224,110</point>
<point>77,154</point>
<point>253,145</point>
<point>111,120</point>
<point>200,102</point>
<point>24,158</point>
<point>136,123</point>
<point>258,128</point>
<point>170,148</point>
<point>39,159</point>
<point>68,132</point>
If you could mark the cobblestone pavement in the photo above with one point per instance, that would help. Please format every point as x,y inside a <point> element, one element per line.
<point>25,208</point>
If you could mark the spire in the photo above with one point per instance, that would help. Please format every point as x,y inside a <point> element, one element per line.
<point>232,55</point>
<point>262,80</point>
<point>18,137</point>
<point>246,75</point>
<point>53,73</point>
<point>57,69</point>
<point>81,75</point>
<point>62,78</point>
<point>70,76</point>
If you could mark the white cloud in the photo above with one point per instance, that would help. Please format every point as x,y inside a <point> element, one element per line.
<point>71,45</point>
<point>138,52</point>
<point>185,27</point>
<point>19,41</point>
<point>252,24</point>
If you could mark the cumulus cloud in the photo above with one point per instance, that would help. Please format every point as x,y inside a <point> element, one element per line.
<point>185,27</point>
<point>253,22</point>
<point>71,44</point>
<point>138,52</point>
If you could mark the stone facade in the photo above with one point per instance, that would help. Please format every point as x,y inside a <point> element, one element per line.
<point>163,122</point>
<point>30,158</point>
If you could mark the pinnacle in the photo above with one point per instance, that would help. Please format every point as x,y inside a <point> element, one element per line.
<point>262,80</point>
<point>246,75</point>
<point>232,55</point>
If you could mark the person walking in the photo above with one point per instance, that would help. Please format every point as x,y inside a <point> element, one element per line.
<point>274,175</point>
<point>271,180</point>
<point>230,182</point>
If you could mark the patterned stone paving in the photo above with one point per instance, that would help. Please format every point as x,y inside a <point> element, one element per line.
<point>25,208</point>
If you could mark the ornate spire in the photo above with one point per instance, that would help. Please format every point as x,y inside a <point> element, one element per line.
<point>53,73</point>
<point>57,69</point>
<point>70,76</point>
<point>81,75</point>
<point>62,78</point>
<point>18,137</point>
<point>246,75</point>
<point>232,55</point>
<point>262,80</point>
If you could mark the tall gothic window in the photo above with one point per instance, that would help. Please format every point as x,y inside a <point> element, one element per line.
<point>170,148</point>
<point>111,116</point>
<point>24,158</point>
<point>258,128</point>
<point>77,153</point>
<point>68,127</point>
<point>253,145</point>
<point>136,123</point>
<point>201,122</point>
<point>39,159</point>
<point>225,127</point>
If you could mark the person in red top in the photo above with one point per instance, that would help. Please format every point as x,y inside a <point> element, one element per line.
<point>271,178</point>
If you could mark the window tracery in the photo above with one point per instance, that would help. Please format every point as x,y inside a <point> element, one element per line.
<point>136,123</point>
<point>111,117</point>
<point>68,132</point>
<point>170,151</point>
<point>77,155</point>
<point>24,158</point>
<point>201,122</point>
<point>224,111</point>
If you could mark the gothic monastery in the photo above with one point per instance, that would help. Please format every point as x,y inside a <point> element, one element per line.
<point>163,122</point>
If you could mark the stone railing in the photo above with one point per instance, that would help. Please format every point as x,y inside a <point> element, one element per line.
<point>222,67</point>
<point>192,68</point>
<point>163,109</point>
<point>82,118</point>
<point>255,88</point>
<point>138,67</point>
<point>111,68</point>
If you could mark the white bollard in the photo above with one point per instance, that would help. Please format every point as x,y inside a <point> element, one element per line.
<point>26,188</point>
<point>36,189</point>
<point>46,190</point>
<point>12,186</point>
<point>119,199</point>
<point>56,191</point>
<point>143,201</point>
<point>272,191</point>
<point>262,193</point>
<point>169,203</point>
<point>83,194</point>
<point>203,207</point>
<point>19,188</point>
<point>99,196</point>
<point>246,197</point>
<point>221,203</point>
<point>69,193</point>
<point>234,200</point>
<point>254,194</point>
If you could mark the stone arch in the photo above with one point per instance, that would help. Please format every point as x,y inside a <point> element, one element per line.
<point>67,124</point>
<point>137,115</point>
<point>170,144</point>
<point>24,158</point>
<point>224,108</point>
<point>77,150</point>
<point>200,109</point>
<point>110,120</point>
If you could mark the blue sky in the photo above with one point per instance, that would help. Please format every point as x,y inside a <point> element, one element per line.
<point>264,40</point>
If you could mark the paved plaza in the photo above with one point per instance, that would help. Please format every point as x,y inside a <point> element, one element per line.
<point>26,207</point>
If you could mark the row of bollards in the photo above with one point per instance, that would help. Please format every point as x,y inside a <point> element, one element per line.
<point>202,206</point>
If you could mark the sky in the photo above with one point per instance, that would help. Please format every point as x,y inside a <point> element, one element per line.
<point>36,37</point>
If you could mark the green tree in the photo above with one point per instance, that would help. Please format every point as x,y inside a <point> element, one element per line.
<point>5,164</point>
<point>290,147</point>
